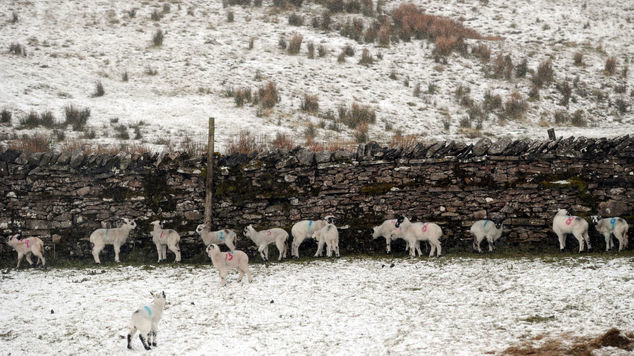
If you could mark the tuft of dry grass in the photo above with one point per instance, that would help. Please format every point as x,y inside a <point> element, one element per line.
<point>295,44</point>
<point>35,143</point>
<point>245,143</point>
<point>310,103</point>
<point>268,95</point>
<point>545,74</point>
<point>610,66</point>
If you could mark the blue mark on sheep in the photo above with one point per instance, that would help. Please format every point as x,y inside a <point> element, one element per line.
<point>148,310</point>
<point>222,235</point>
<point>486,222</point>
<point>612,222</point>
<point>310,224</point>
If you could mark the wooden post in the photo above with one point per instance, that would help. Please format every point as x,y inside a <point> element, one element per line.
<point>210,175</point>
<point>551,134</point>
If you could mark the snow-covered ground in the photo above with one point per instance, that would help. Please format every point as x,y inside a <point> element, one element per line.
<point>360,306</point>
<point>72,44</point>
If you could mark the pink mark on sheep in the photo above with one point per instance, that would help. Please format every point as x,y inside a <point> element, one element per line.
<point>229,256</point>
<point>570,220</point>
<point>424,228</point>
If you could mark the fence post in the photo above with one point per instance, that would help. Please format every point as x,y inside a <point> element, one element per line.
<point>209,186</point>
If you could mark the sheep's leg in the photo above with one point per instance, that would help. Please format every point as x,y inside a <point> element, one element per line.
<point>117,248</point>
<point>145,345</point>
<point>261,251</point>
<point>176,251</point>
<point>608,241</point>
<point>223,277</point>
<point>96,250</point>
<point>130,335</point>
<point>388,245</point>
<point>40,258</point>
<point>295,246</point>
<point>153,334</point>
<point>250,279</point>
<point>20,256</point>
<point>337,249</point>
<point>579,238</point>
<point>586,237</point>
<point>433,249</point>
<point>491,245</point>
<point>418,250</point>
<point>562,241</point>
<point>28,258</point>
<point>158,253</point>
<point>320,248</point>
<point>328,249</point>
<point>438,249</point>
<point>241,274</point>
<point>281,247</point>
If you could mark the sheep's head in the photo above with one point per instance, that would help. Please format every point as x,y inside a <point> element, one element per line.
<point>399,221</point>
<point>330,219</point>
<point>156,224</point>
<point>248,230</point>
<point>595,219</point>
<point>498,223</point>
<point>375,232</point>
<point>159,298</point>
<point>229,232</point>
<point>211,249</point>
<point>13,239</point>
<point>200,228</point>
<point>130,223</point>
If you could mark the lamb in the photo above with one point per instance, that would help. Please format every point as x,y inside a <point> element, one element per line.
<point>165,238</point>
<point>612,226</point>
<point>265,237</point>
<point>28,246</point>
<point>226,236</point>
<point>564,223</point>
<point>388,230</point>
<point>489,229</point>
<point>305,229</point>
<point>414,232</point>
<point>330,236</point>
<point>233,259</point>
<point>145,319</point>
<point>115,237</point>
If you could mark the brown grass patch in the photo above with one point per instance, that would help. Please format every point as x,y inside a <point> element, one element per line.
<point>571,345</point>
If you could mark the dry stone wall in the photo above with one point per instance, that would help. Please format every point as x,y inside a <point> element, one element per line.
<point>449,183</point>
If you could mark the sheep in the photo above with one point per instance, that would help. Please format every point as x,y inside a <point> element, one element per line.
<point>489,229</point>
<point>145,319</point>
<point>233,259</point>
<point>414,232</point>
<point>612,226</point>
<point>28,246</point>
<point>330,236</point>
<point>388,230</point>
<point>165,238</point>
<point>305,229</point>
<point>115,237</point>
<point>265,237</point>
<point>564,223</point>
<point>226,236</point>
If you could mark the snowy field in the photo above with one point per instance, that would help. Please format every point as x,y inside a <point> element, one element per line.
<point>447,306</point>
<point>73,44</point>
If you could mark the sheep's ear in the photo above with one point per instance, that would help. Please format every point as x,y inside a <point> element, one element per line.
<point>163,294</point>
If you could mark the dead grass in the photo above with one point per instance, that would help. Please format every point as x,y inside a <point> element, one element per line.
<point>572,345</point>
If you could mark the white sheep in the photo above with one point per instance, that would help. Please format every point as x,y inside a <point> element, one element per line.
<point>263,238</point>
<point>489,229</point>
<point>115,237</point>
<point>612,226</point>
<point>146,319</point>
<point>564,223</point>
<point>305,229</point>
<point>233,259</point>
<point>225,237</point>
<point>26,247</point>
<point>389,231</point>
<point>330,236</point>
<point>164,239</point>
<point>415,232</point>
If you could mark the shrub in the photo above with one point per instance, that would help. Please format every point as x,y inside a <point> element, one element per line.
<point>335,6</point>
<point>47,119</point>
<point>282,42</point>
<point>515,107</point>
<point>342,57</point>
<point>268,95</point>
<point>310,103</point>
<point>578,58</point>
<point>370,34</point>
<point>166,8</point>
<point>17,49</point>
<point>132,13</point>
<point>578,119</point>
<point>482,51</point>
<point>296,43</point>
<point>310,132</point>
<point>521,69</point>
<point>251,42</point>
<point>311,50</point>
<point>353,29</point>
<point>36,143</point>
<point>416,92</point>
<point>241,96</point>
<point>361,133</point>
<point>30,121</point>
<point>383,36</point>
<point>621,105</point>
<point>544,75</point>
<point>366,58</point>
<point>99,91</point>
<point>503,67</point>
<point>76,117</point>
<point>561,117</point>
<point>465,122</point>
<point>5,116</point>
<point>14,17</point>
<point>122,132</point>
<point>156,15</point>
<point>124,77</point>
<point>283,141</point>
<point>321,51</point>
<point>491,102</point>
<point>610,66</point>
<point>325,21</point>
<point>244,143</point>
<point>89,134</point>
<point>356,115</point>
<point>566,92</point>
<point>348,50</point>
<point>445,45</point>
<point>157,39</point>
<point>151,71</point>
<point>295,20</point>
<point>257,3</point>
<point>431,88</point>
<point>230,16</point>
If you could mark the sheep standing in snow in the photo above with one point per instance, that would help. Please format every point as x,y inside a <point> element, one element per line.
<point>145,319</point>
<point>612,226</point>
<point>330,236</point>
<point>164,239</point>
<point>415,232</point>
<point>26,247</point>
<point>233,259</point>
<point>264,238</point>
<point>305,229</point>
<point>225,237</point>
<point>564,223</point>
<point>115,237</point>
<point>489,229</point>
<point>389,231</point>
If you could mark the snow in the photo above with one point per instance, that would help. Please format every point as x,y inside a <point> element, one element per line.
<point>446,306</point>
<point>72,44</point>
